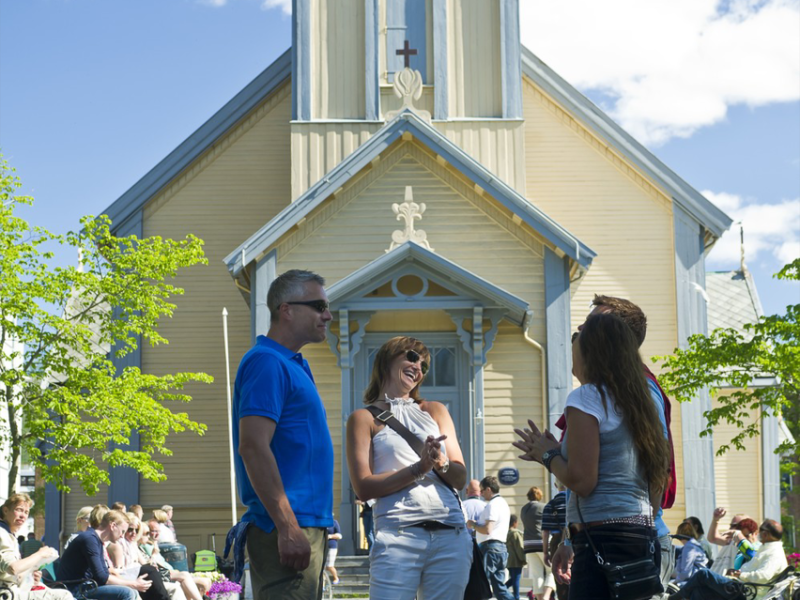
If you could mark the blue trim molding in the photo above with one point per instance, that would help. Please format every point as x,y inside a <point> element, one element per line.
<point>557,320</point>
<point>440,96</point>
<point>301,60</point>
<point>510,60</point>
<point>52,516</point>
<point>124,486</point>
<point>372,60</point>
<point>690,278</point>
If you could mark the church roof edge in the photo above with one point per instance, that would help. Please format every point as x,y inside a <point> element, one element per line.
<point>382,139</point>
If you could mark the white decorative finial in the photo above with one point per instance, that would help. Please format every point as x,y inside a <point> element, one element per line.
<point>409,211</point>
<point>408,87</point>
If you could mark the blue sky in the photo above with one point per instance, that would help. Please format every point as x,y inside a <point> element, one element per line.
<point>95,93</point>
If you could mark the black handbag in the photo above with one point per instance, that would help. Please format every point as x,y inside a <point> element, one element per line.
<point>478,587</point>
<point>638,579</point>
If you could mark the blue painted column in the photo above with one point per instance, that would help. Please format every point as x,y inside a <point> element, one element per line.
<point>510,59</point>
<point>124,486</point>
<point>372,61</point>
<point>557,321</point>
<point>52,516</point>
<point>262,274</point>
<point>440,97</point>
<point>698,452</point>
<point>301,60</point>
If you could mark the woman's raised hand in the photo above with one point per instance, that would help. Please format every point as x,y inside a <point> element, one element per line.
<point>533,442</point>
<point>431,454</point>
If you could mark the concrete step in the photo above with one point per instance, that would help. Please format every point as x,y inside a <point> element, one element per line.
<point>353,575</point>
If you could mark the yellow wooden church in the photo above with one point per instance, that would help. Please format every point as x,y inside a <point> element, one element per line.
<point>448,185</point>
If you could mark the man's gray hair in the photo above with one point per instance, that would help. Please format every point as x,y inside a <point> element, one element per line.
<point>289,286</point>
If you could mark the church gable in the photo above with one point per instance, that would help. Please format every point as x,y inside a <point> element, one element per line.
<point>357,226</point>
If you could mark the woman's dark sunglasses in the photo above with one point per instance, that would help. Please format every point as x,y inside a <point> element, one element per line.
<point>318,305</point>
<point>413,356</point>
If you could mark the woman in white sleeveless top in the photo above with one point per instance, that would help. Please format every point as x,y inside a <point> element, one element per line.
<point>422,548</point>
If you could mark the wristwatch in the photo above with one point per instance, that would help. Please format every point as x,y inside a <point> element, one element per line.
<point>445,466</point>
<point>549,455</point>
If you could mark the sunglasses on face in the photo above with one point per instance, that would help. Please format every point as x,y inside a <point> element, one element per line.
<point>131,530</point>
<point>318,305</point>
<point>413,356</point>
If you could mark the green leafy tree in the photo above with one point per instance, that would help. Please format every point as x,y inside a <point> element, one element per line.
<point>60,327</point>
<point>734,359</point>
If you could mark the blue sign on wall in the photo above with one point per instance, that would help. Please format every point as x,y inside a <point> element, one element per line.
<point>508,476</point>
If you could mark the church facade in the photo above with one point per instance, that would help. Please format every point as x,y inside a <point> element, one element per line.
<point>448,185</point>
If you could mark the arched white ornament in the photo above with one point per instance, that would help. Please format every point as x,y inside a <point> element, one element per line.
<point>408,87</point>
<point>409,211</point>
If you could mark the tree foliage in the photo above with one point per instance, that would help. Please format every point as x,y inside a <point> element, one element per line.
<point>769,348</point>
<point>79,409</point>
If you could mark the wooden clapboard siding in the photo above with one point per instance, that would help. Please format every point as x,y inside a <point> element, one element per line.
<point>738,474</point>
<point>337,59</point>
<point>498,145</point>
<point>512,394</point>
<point>77,499</point>
<point>585,185</point>
<point>223,198</point>
<point>319,147</point>
<point>475,87</point>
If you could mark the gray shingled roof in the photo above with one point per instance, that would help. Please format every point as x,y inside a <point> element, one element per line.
<point>733,300</point>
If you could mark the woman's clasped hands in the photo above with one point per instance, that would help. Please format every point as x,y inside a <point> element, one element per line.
<point>534,443</point>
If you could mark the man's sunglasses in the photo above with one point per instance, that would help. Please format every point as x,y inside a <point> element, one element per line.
<point>318,305</point>
<point>413,356</point>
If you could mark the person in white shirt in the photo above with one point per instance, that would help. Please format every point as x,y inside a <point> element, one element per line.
<point>474,504</point>
<point>491,533</point>
<point>727,554</point>
<point>769,561</point>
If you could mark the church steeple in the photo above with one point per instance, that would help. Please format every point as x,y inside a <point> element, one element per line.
<point>346,53</point>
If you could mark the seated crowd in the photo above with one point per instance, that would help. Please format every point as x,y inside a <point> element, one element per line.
<point>113,547</point>
<point>749,553</point>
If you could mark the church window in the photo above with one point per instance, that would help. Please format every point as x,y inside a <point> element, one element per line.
<point>406,34</point>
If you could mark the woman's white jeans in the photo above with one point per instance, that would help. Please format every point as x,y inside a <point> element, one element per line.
<point>414,562</point>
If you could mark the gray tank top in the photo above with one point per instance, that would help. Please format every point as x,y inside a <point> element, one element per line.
<point>621,489</point>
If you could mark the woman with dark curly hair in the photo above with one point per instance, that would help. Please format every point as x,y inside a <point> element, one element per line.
<point>422,547</point>
<point>614,457</point>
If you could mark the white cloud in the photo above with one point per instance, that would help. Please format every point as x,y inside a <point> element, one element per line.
<point>284,5</point>
<point>768,228</point>
<point>214,3</point>
<point>671,66</point>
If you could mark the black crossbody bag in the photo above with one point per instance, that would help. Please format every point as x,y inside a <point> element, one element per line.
<point>478,587</point>
<point>638,579</point>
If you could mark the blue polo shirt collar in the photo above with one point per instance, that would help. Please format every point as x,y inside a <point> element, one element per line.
<point>280,348</point>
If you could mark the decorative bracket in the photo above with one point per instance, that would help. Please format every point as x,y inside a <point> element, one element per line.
<point>477,343</point>
<point>409,211</point>
<point>347,345</point>
<point>408,87</point>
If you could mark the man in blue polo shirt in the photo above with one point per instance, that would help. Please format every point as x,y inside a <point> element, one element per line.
<point>284,466</point>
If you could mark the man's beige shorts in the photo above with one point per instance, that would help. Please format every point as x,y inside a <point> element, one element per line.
<point>271,580</point>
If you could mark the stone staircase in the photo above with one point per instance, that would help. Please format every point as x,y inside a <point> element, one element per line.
<point>353,575</point>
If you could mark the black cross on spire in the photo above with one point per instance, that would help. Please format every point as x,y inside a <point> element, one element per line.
<point>406,53</point>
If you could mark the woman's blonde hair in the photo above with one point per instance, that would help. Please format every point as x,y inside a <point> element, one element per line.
<point>686,528</point>
<point>96,516</point>
<point>160,516</point>
<point>83,513</point>
<point>383,361</point>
